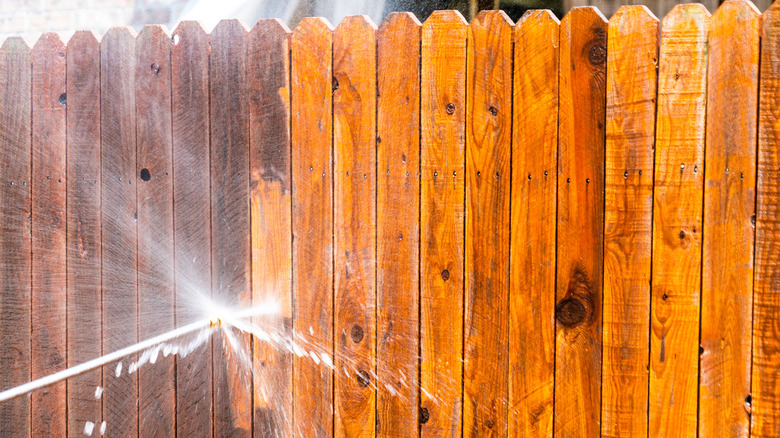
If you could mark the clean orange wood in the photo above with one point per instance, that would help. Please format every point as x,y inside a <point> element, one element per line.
<point>729,215</point>
<point>354,224</point>
<point>156,383</point>
<point>398,225</point>
<point>582,97</point>
<point>119,233</point>
<point>49,292</point>
<point>191,218</point>
<point>765,403</point>
<point>488,143</point>
<point>268,64</point>
<point>230,223</point>
<point>533,201</point>
<point>632,62</point>
<point>83,225</point>
<point>677,222</point>
<point>312,129</point>
<point>442,227</point>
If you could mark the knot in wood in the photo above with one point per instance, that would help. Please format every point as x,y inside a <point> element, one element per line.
<point>570,312</point>
<point>597,55</point>
<point>356,333</point>
<point>363,378</point>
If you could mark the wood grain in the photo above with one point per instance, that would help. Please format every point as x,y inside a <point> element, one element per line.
<point>677,223</point>
<point>488,160</point>
<point>191,219</point>
<point>582,97</point>
<point>729,209</point>
<point>49,293</point>
<point>83,226</point>
<point>119,233</point>
<point>230,223</point>
<point>533,201</point>
<point>312,197</point>
<point>632,75</point>
<point>268,64</point>
<point>15,239</point>
<point>765,384</point>
<point>354,224</point>
<point>442,226</point>
<point>398,226</point>
<point>156,383</point>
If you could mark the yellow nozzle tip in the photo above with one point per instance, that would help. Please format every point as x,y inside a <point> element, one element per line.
<point>215,322</point>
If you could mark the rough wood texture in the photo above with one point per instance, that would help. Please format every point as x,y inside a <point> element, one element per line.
<point>488,143</point>
<point>632,61</point>
<point>312,197</point>
<point>191,219</point>
<point>354,224</point>
<point>156,383</point>
<point>49,292</point>
<point>765,418</point>
<point>230,224</point>
<point>442,227</point>
<point>83,225</point>
<point>398,226</point>
<point>729,209</point>
<point>534,193</point>
<point>119,236</point>
<point>15,244</point>
<point>580,223</point>
<point>677,220</point>
<point>268,63</point>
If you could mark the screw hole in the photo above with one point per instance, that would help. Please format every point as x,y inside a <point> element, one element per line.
<point>145,174</point>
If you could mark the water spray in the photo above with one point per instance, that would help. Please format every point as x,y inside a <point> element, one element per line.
<point>211,323</point>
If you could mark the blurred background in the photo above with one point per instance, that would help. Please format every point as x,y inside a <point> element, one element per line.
<point>29,18</point>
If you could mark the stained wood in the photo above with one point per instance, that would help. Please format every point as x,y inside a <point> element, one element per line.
<point>191,218</point>
<point>15,239</point>
<point>156,383</point>
<point>765,403</point>
<point>488,143</point>
<point>230,222</point>
<point>729,209</point>
<point>354,224</point>
<point>119,233</point>
<point>632,75</point>
<point>268,63</point>
<point>398,225</point>
<point>533,211</point>
<point>84,251</point>
<point>49,293</point>
<point>677,222</point>
<point>580,223</point>
<point>312,198</point>
<point>442,227</point>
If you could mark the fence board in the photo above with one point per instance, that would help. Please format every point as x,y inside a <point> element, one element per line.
<point>677,222</point>
<point>49,292</point>
<point>488,137</point>
<point>156,384</point>
<point>533,205</point>
<point>442,227</point>
<point>119,234</point>
<point>354,223</point>
<point>268,63</point>
<point>191,219</point>
<point>83,226</point>
<point>765,384</point>
<point>580,223</point>
<point>632,62</point>
<point>230,245</point>
<point>729,209</point>
<point>15,205</point>
<point>398,225</point>
<point>312,130</point>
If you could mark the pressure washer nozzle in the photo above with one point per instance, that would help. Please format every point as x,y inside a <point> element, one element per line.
<point>215,322</point>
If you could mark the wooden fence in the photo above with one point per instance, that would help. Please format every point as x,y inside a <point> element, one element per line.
<point>495,229</point>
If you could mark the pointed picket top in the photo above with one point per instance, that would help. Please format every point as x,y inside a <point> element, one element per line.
<point>188,27</point>
<point>355,24</point>
<point>631,15</point>
<point>489,18</point>
<point>448,17</point>
<point>536,17</point>
<point>270,26</point>
<point>692,13</point>
<point>150,31</point>
<point>403,20</point>
<point>49,41</point>
<point>584,13</point>
<point>312,29</point>
<point>15,43</point>
<point>118,33</point>
<point>84,36</point>
<point>735,10</point>
<point>229,27</point>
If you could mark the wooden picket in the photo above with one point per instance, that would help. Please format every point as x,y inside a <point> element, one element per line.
<point>487,229</point>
